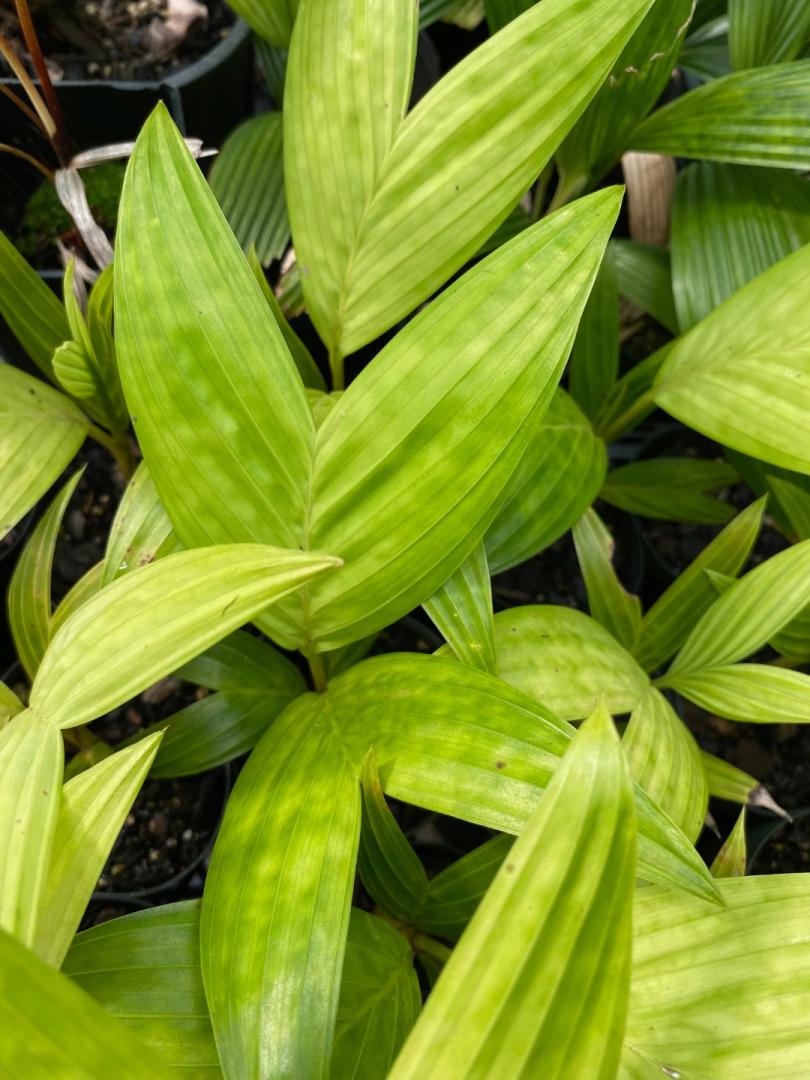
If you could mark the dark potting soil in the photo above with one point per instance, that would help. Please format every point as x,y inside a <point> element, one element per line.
<point>118,39</point>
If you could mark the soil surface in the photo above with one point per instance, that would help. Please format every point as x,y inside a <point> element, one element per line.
<point>118,39</point>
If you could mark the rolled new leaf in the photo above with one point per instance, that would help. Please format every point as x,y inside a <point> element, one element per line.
<point>556,918</point>
<point>149,622</point>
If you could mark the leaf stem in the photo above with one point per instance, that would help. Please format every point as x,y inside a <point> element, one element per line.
<point>629,418</point>
<point>120,448</point>
<point>429,946</point>
<point>336,367</point>
<point>316,668</point>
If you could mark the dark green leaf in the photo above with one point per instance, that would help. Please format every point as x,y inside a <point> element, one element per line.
<point>757,117</point>
<point>672,489</point>
<point>247,178</point>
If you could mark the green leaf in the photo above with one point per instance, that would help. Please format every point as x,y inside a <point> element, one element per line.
<point>349,75</point>
<point>406,511</point>
<point>283,864</point>
<point>408,527</point>
<point>742,375</point>
<point>756,693</point>
<point>558,477</point>
<point>87,585</point>
<point>460,742</point>
<point>144,969</point>
<point>665,760</point>
<point>722,992</point>
<point>671,489</point>
<point>152,620</point>
<point>611,605</point>
<point>632,88</point>
<point>455,893</point>
<point>788,493</point>
<point>726,781</point>
<point>484,132</point>
<point>34,315</point>
<point>307,368</point>
<point>247,178</point>
<point>462,611</point>
<point>751,117</point>
<point>501,12</point>
<point>86,366</point>
<point>92,812</point>
<point>218,407</point>
<point>272,20</point>
<point>729,224</point>
<point>386,862</point>
<point>566,660</point>
<point>10,704</point>
<point>52,1029</point>
<point>731,859</point>
<point>644,276</point>
<point>141,531</point>
<point>670,620</point>
<point>749,613</point>
<point>40,431</point>
<point>792,494</point>
<point>379,999</point>
<point>254,683</point>
<point>29,591</point>
<point>793,640</point>
<point>704,53</point>
<point>760,34</point>
<point>556,919</point>
<point>630,401</point>
<point>31,759</point>
<point>594,364</point>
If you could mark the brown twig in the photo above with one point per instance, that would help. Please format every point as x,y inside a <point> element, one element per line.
<point>16,152</point>
<point>27,83</point>
<point>60,140</point>
<point>24,108</point>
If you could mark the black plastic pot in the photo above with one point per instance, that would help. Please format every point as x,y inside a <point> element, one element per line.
<point>206,99</point>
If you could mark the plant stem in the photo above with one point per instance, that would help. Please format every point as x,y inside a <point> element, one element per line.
<point>540,190</point>
<point>316,668</point>
<point>119,447</point>
<point>628,418</point>
<point>336,367</point>
<point>429,946</point>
